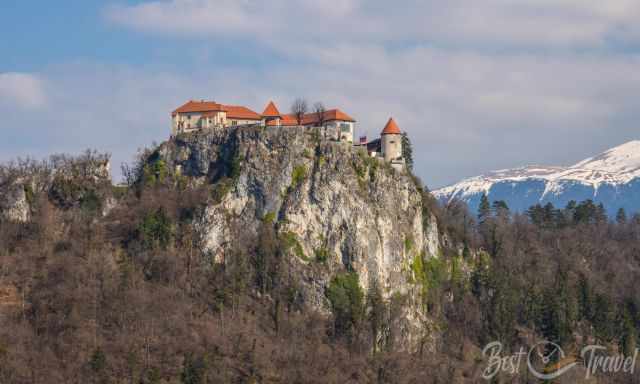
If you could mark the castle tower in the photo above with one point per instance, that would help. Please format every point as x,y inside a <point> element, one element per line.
<point>391,138</point>
<point>271,114</point>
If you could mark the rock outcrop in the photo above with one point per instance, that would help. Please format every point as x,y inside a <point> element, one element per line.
<point>66,181</point>
<point>341,209</point>
<point>13,204</point>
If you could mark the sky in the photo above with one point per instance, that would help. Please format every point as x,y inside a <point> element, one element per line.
<point>477,85</point>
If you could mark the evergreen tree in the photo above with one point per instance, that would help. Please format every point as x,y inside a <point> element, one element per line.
<point>377,316</point>
<point>536,214</point>
<point>500,208</point>
<point>484,210</point>
<point>194,370</point>
<point>601,214</point>
<point>629,335</point>
<point>621,216</point>
<point>407,151</point>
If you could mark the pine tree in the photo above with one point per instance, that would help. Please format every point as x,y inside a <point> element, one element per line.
<point>621,216</point>
<point>407,151</point>
<point>377,316</point>
<point>484,210</point>
<point>629,335</point>
<point>500,208</point>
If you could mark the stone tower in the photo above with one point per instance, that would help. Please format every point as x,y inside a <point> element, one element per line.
<point>391,138</point>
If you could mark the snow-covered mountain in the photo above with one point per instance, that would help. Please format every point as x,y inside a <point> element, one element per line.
<point>611,178</point>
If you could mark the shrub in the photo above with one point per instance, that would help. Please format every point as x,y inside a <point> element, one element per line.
<point>29,194</point>
<point>347,302</point>
<point>428,273</point>
<point>90,202</point>
<point>220,189</point>
<point>269,218</point>
<point>298,176</point>
<point>156,230</point>
<point>154,172</point>
<point>408,243</point>
<point>235,168</point>
<point>98,361</point>
<point>321,254</point>
<point>289,241</point>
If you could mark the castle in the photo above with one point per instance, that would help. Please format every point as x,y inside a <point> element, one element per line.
<point>202,115</point>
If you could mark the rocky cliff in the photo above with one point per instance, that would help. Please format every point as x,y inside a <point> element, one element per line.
<point>67,181</point>
<point>339,208</point>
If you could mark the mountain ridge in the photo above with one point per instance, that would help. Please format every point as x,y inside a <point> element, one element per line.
<point>611,178</point>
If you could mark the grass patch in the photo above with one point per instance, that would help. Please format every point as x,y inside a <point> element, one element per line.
<point>408,243</point>
<point>298,176</point>
<point>290,242</point>
<point>269,218</point>
<point>321,254</point>
<point>221,189</point>
<point>429,273</point>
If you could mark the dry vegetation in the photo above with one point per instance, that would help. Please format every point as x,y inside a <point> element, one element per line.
<point>128,297</point>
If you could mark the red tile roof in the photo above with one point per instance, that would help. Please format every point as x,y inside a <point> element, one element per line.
<point>240,112</point>
<point>311,118</point>
<point>271,110</point>
<point>209,108</point>
<point>391,128</point>
<point>199,106</point>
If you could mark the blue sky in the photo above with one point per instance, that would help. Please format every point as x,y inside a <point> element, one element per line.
<point>477,85</point>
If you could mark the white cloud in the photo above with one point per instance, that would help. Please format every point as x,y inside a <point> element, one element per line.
<point>21,90</point>
<point>522,22</point>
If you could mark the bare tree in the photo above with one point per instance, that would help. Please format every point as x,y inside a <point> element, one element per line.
<point>299,108</point>
<point>320,112</point>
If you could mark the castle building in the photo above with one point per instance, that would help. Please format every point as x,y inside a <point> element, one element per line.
<point>391,138</point>
<point>198,115</point>
<point>336,121</point>
<point>272,115</point>
<point>388,147</point>
<point>337,125</point>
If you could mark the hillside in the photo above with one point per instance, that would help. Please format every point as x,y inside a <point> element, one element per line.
<point>611,178</point>
<point>270,255</point>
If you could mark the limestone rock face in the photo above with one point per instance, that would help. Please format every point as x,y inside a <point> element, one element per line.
<point>342,209</point>
<point>13,204</point>
<point>66,181</point>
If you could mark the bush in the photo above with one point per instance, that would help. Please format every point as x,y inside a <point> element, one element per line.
<point>298,176</point>
<point>156,230</point>
<point>221,189</point>
<point>155,172</point>
<point>90,202</point>
<point>289,241</point>
<point>347,302</point>
<point>321,254</point>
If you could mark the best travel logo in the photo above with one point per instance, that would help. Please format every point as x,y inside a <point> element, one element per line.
<point>546,360</point>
